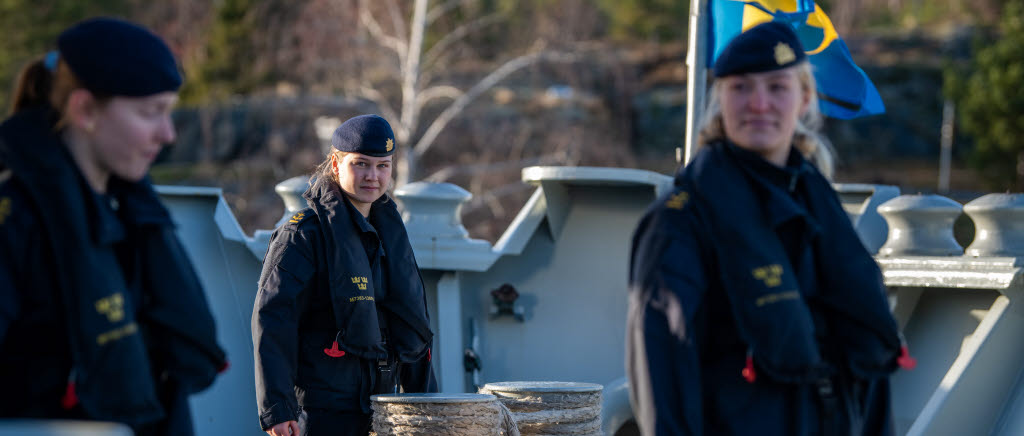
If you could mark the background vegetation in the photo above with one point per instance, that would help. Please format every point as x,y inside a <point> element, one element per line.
<point>595,82</point>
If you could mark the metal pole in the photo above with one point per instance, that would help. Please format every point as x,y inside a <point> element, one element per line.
<point>946,146</point>
<point>697,74</point>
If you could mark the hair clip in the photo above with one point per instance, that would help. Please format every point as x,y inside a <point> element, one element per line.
<point>50,60</point>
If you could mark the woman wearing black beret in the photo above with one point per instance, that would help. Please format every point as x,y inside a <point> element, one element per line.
<point>341,313</point>
<point>754,308</point>
<point>101,314</point>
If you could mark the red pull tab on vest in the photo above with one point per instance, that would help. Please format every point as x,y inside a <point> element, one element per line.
<point>905,361</point>
<point>428,354</point>
<point>70,399</point>
<point>334,351</point>
<point>224,367</point>
<point>748,371</point>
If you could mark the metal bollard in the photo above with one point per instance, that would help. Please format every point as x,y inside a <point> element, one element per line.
<point>999,225</point>
<point>431,212</point>
<point>920,225</point>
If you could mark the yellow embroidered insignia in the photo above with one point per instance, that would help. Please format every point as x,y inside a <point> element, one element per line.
<point>112,307</point>
<point>297,217</point>
<point>771,275</point>
<point>360,282</point>
<point>777,297</point>
<point>678,201</point>
<point>5,209</point>
<point>784,54</point>
<point>117,333</point>
<point>389,145</point>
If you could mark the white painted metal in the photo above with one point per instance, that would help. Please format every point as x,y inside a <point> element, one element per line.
<point>920,225</point>
<point>567,255</point>
<point>999,225</point>
<point>697,73</point>
<point>861,201</point>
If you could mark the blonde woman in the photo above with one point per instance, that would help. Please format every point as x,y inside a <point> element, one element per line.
<point>341,313</point>
<point>754,308</point>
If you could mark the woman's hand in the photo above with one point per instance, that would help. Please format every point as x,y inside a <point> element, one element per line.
<point>287,428</point>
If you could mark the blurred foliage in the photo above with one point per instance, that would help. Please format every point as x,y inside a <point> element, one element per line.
<point>220,74</point>
<point>31,29</point>
<point>990,100</point>
<point>660,20</point>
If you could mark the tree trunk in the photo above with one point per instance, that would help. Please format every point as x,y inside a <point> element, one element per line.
<point>406,165</point>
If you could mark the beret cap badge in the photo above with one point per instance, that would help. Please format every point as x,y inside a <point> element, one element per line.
<point>784,54</point>
<point>365,134</point>
<point>765,47</point>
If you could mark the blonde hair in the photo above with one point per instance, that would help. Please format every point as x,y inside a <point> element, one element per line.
<point>806,138</point>
<point>326,169</point>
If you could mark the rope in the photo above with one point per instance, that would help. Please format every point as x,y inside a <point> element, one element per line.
<point>508,421</point>
<point>553,414</point>
<point>443,419</point>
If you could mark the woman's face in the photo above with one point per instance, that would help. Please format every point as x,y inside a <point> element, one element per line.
<point>363,178</point>
<point>127,133</point>
<point>760,110</point>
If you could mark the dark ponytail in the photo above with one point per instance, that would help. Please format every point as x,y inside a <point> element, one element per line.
<point>33,87</point>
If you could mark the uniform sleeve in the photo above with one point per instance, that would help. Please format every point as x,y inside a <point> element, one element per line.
<point>667,284</point>
<point>418,376</point>
<point>288,270</point>
<point>16,235</point>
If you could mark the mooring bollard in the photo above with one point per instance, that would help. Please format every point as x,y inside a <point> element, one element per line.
<point>440,414</point>
<point>920,225</point>
<point>998,225</point>
<point>551,408</point>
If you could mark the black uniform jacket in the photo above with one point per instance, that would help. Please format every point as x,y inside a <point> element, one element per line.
<point>332,282</point>
<point>101,314</point>
<point>754,308</point>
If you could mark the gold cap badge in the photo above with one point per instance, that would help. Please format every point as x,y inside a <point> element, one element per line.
<point>784,54</point>
<point>389,145</point>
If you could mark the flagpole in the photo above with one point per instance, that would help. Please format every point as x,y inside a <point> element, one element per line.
<point>696,73</point>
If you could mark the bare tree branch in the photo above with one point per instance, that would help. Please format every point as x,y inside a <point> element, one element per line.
<point>439,11</point>
<point>457,34</point>
<point>441,91</point>
<point>482,86</point>
<point>411,68</point>
<point>371,25</point>
<point>396,19</point>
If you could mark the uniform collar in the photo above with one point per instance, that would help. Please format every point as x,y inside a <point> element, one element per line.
<point>106,227</point>
<point>779,187</point>
<point>784,177</point>
<point>361,222</point>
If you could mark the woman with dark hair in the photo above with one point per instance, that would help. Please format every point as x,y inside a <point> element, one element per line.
<point>101,314</point>
<point>754,308</point>
<point>341,312</point>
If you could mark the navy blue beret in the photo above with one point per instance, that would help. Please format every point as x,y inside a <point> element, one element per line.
<point>116,57</point>
<point>366,134</point>
<point>766,47</point>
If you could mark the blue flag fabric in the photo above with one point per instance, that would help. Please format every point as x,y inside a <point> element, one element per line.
<point>844,91</point>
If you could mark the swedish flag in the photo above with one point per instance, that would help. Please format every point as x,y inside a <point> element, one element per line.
<point>844,90</point>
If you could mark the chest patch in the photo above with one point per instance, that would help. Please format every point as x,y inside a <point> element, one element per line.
<point>771,275</point>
